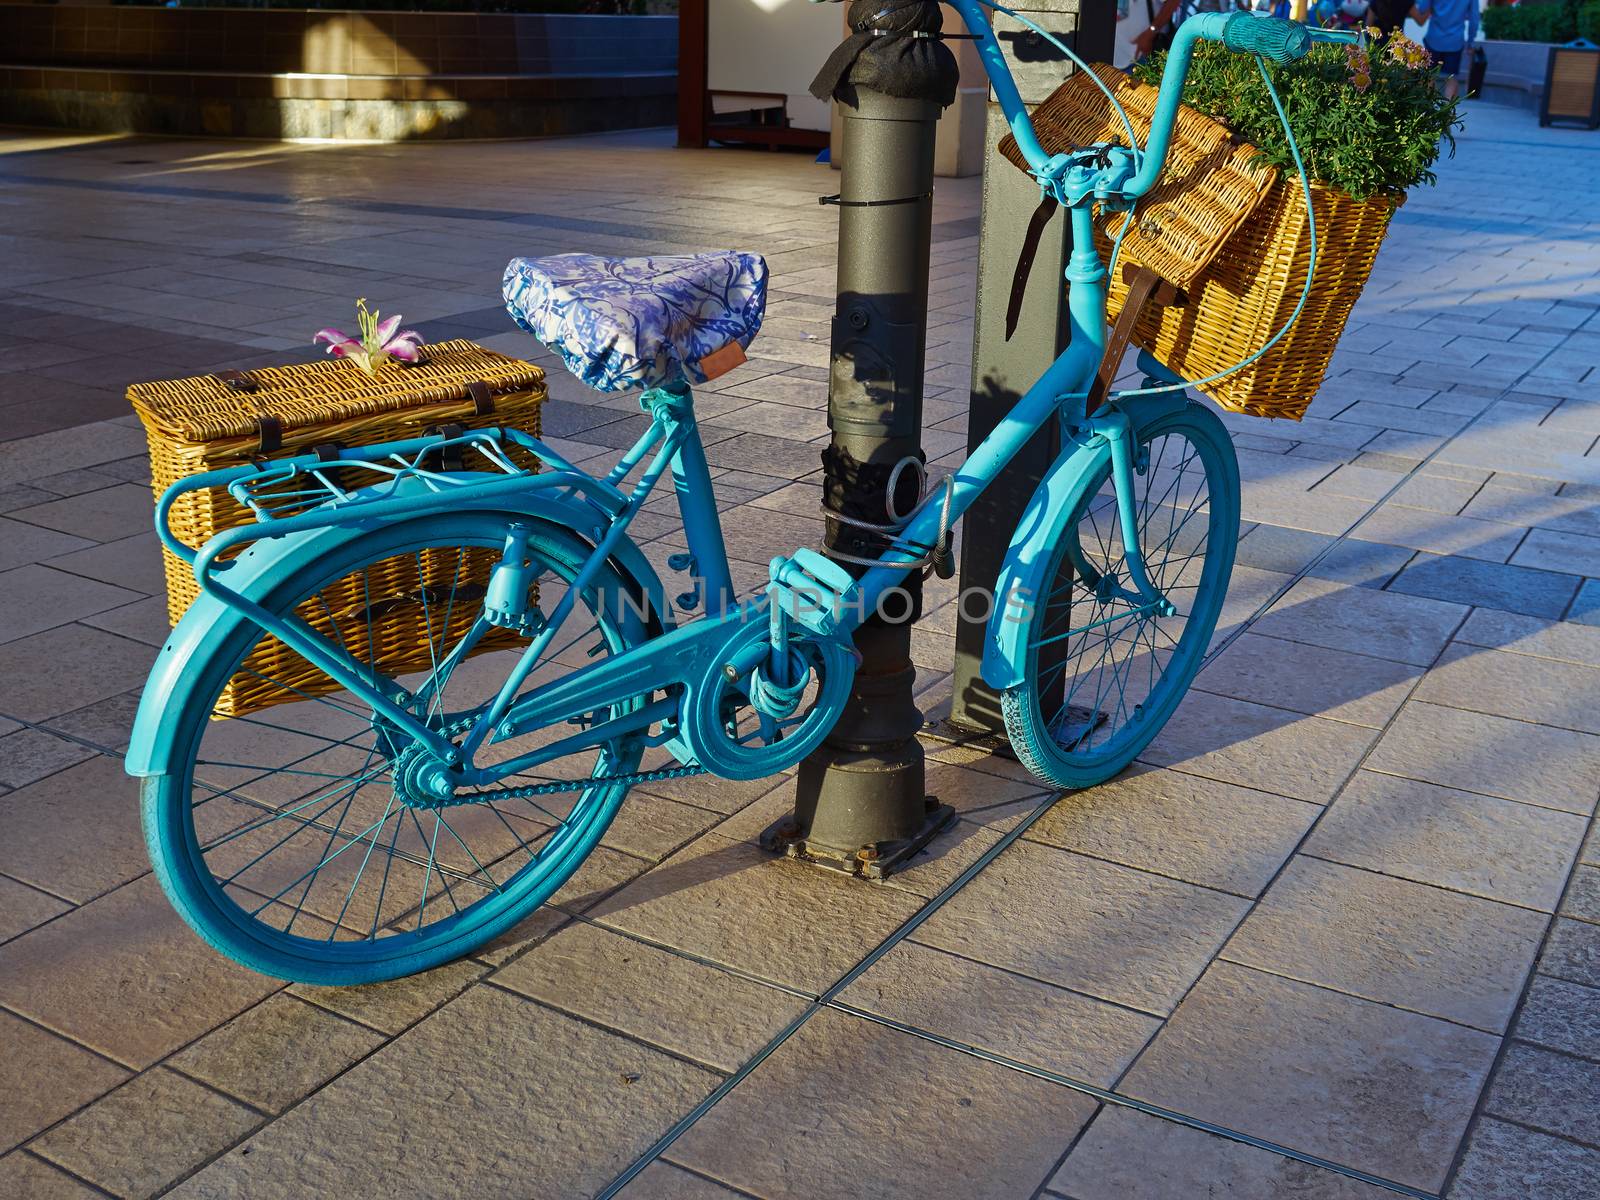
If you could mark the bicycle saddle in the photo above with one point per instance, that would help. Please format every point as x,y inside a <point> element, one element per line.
<point>621,323</point>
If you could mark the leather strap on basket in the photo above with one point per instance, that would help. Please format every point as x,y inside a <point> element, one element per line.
<point>1143,286</point>
<point>482,397</point>
<point>270,431</point>
<point>1030,248</point>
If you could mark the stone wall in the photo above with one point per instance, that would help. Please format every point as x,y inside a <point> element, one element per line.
<point>388,76</point>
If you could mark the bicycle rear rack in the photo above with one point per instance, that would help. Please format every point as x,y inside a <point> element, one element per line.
<point>343,486</point>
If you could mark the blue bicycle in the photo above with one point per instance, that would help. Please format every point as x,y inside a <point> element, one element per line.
<point>370,823</point>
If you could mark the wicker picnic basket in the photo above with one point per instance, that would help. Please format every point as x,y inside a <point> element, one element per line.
<point>208,422</point>
<point>1233,235</point>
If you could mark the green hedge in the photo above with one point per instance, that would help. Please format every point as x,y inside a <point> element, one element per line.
<point>1554,21</point>
<point>1589,21</point>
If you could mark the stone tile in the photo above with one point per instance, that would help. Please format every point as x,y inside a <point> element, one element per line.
<point>66,668</point>
<point>396,1005</point>
<point>1331,1075</point>
<point>662,1180</point>
<point>131,562</point>
<point>35,598</point>
<point>1562,1016</point>
<point>23,1175</point>
<point>1497,849</point>
<point>31,754</point>
<point>21,543</point>
<point>719,795</point>
<point>1553,1092</point>
<point>1552,551</point>
<point>76,833</point>
<point>930,872</point>
<point>1392,941</point>
<point>106,723</point>
<point>602,873</point>
<point>1121,935</point>
<point>1268,749</point>
<point>152,1130</point>
<point>1203,831</point>
<point>1504,1160</point>
<point>1021,1018</point>
<point>1405,629</point>
<point>652,995</point>
<point>1125,1155</point>
<point>1438,533</point>
<point>1494,756</point>
<point>276,1053</point>
<point>126,977</point>
<point>23,907</point>
<point>143,621</point>
<point>651,828</point>
<point>1248,591</point>
<point>1487,585</point>
<point>103,516</point>
<point>1357,688</point>
<point>1515,506</point>
<point>563,1121</point>
<point>44,1078</point>
<point>732,903</point>
<point>1540,691</point>
<point>840,1073</point>
<point>1583,895</point>
<point>1559,640</point>
<point>1573,952</point>
<point>54,451</point>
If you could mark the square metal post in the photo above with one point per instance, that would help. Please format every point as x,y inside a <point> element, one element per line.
<point>1003,369</point>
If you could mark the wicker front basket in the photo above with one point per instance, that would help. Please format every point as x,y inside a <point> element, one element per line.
<point>1235,237</point>
<point>203,424</point>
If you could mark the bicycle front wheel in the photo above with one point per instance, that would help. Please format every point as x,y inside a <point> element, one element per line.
<point>292,837</point>
<point>1103,671</point>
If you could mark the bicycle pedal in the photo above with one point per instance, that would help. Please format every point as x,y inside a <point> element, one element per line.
<point>813,591</point>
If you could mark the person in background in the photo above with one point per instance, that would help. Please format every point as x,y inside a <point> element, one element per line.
<point>1164,21</point>
<point>1388,16</point>
<point>1452,27</point>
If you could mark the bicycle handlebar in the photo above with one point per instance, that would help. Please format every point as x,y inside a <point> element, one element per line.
<point>1271,37</point>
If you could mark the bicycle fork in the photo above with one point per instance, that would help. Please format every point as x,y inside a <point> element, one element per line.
<point>1113,425</point>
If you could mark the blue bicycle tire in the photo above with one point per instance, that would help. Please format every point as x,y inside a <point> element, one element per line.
<point>178,850</point>
<point>1084,744</point>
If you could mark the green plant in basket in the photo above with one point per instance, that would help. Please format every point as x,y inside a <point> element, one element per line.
<point>1368,119</point>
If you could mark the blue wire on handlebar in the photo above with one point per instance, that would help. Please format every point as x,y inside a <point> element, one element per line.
<point>1311,266</point>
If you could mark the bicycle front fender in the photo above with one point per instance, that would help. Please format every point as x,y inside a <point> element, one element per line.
<point>1021,583</point>
<point>273,562</point>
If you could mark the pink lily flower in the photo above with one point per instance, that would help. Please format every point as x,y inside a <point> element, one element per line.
<point>380,339</point>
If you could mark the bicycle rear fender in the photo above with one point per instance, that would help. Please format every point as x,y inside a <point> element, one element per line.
<point>1021,583</point>
<point>266,564</point>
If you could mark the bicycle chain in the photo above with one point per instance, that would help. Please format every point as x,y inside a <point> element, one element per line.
<point>555,787</point>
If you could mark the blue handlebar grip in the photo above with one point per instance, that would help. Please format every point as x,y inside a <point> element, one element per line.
<point>1281,41</point>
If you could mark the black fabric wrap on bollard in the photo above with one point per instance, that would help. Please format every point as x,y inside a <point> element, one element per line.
<point>882,54</point>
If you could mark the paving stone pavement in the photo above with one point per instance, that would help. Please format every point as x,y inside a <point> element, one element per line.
<point>1346,911</point>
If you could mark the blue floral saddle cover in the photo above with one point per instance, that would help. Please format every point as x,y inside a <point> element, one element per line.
<point>621,323</point>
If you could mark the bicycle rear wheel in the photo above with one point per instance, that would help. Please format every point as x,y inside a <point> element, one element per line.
<point>1103,674</point>
<point>289,837</point>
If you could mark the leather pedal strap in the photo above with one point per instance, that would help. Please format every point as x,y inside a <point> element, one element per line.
<point>1030,248</point>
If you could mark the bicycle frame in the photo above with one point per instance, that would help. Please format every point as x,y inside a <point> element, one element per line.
<point>690,655</point>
